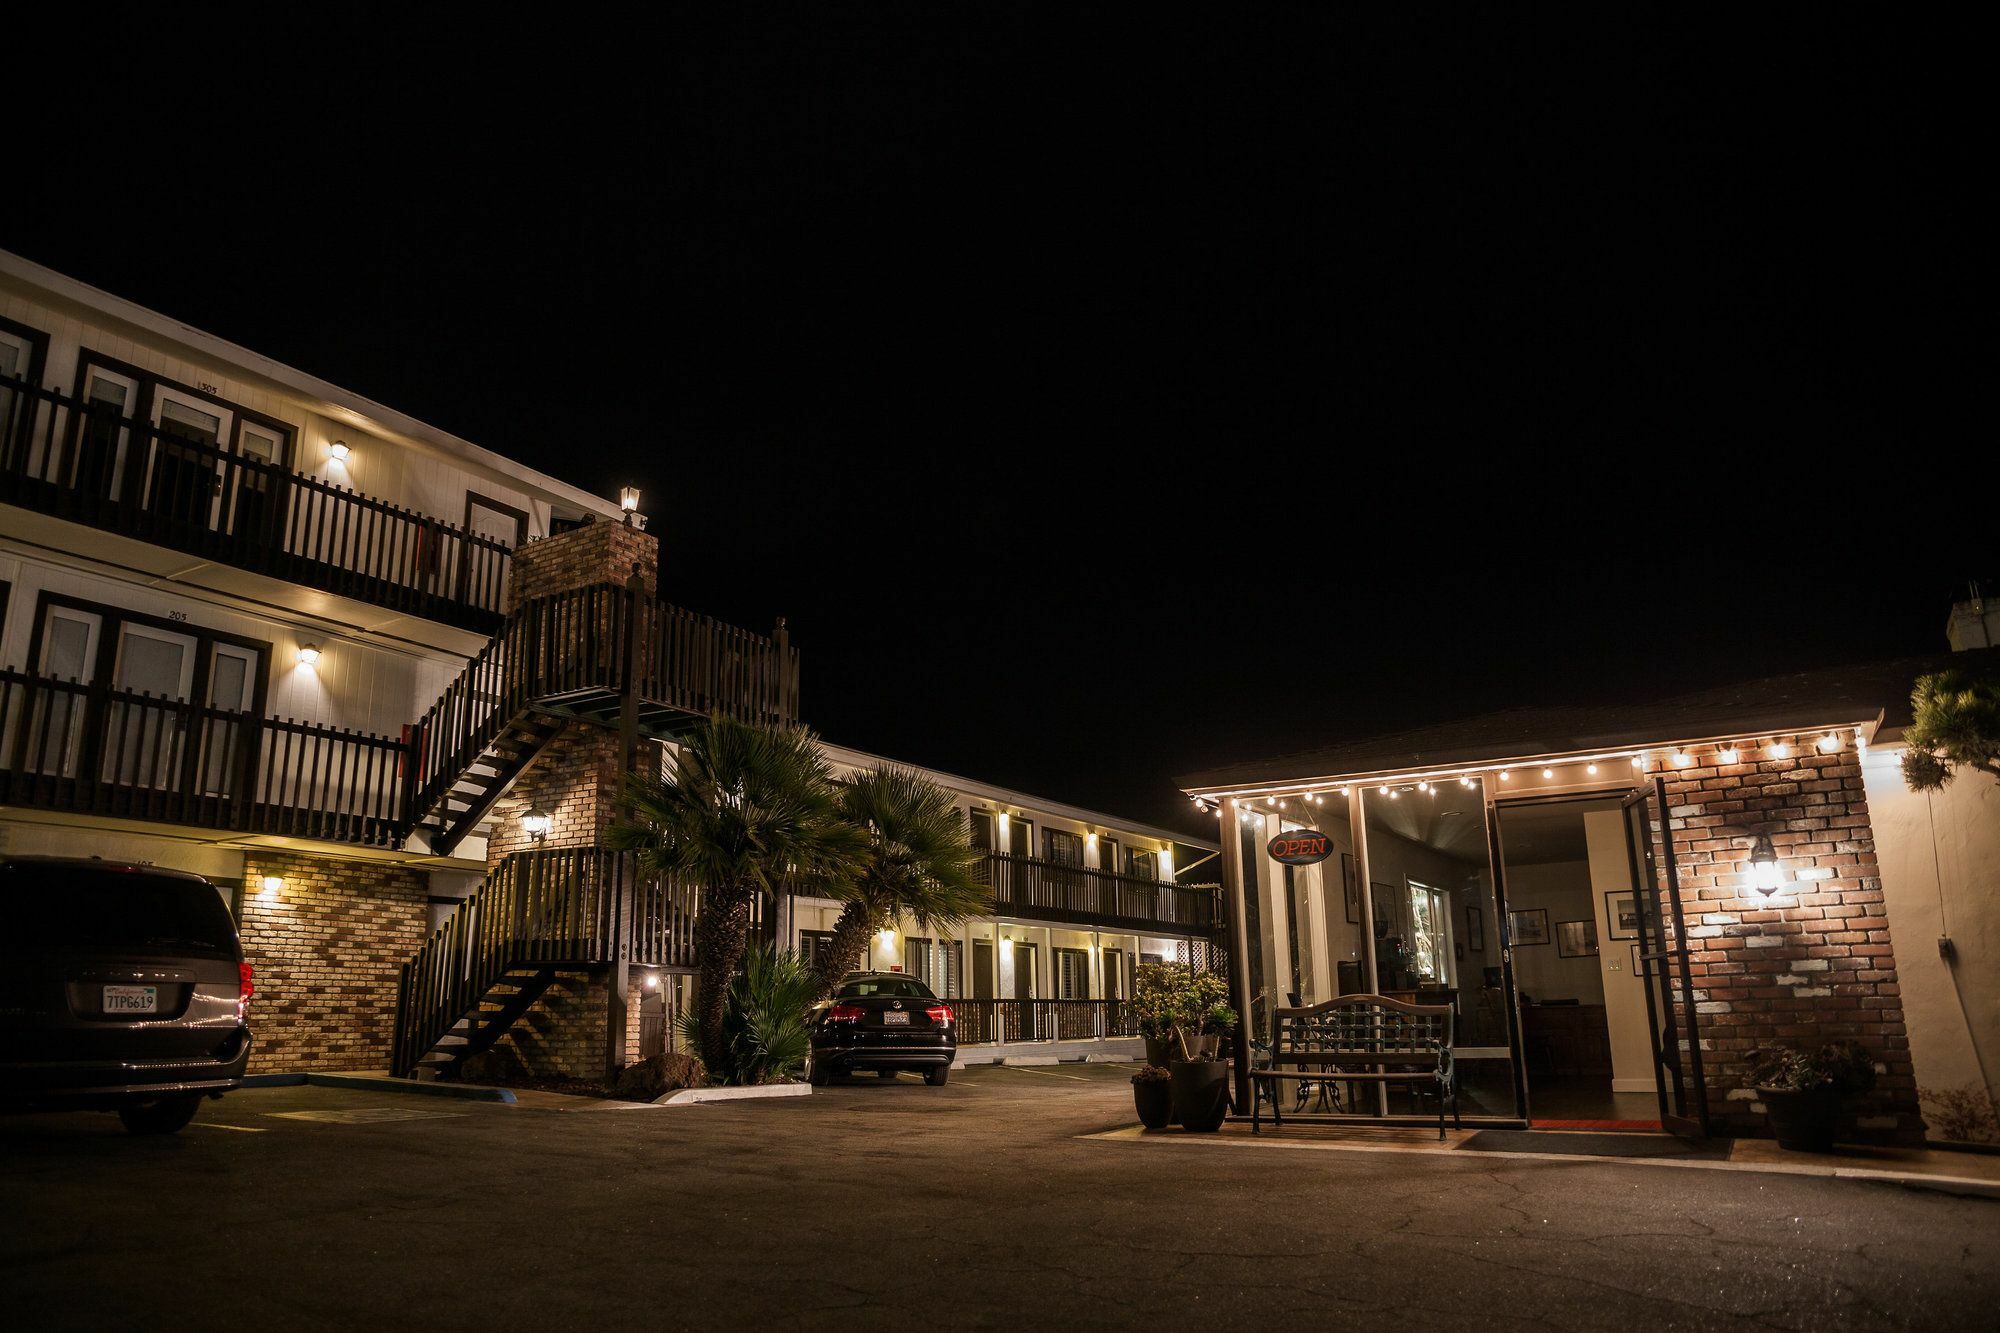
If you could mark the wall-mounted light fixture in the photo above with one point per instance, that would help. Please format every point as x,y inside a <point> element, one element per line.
<point>270,885</point>
<point>1766,876</point>
<point>309,656</point>
<point>339,452</point>
<point>536,824</point>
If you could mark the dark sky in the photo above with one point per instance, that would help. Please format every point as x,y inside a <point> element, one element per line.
<point>1102,395</point>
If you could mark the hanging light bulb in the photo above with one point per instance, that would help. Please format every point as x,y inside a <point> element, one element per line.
<point>1395,796</point>
<point>1682,758</point>
<point>1829,742</point>
<point>1638,761</point>
<point>1465,782</point>
<point>1548,772</point>
<point>1780,750</point>
<point>1506,776</point>
<point>1423,786</point>
<point>1591,769</point>
<point>1729,754</point>
<point>1384,789</point>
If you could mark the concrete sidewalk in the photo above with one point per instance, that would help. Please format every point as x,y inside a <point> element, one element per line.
<point>1964,1173</point>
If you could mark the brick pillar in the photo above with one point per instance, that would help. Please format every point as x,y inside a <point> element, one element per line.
<point>587,1023</point>
<point>600,552</point>
<point>1810,964</point>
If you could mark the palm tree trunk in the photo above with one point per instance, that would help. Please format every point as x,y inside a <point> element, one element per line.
<point>721,933</point>
<point>849,945</point>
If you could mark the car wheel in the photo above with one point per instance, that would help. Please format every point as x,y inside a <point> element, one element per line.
<point>168,1115</point>
<point>936,1077</point>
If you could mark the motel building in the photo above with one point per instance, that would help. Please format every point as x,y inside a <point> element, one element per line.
<point>379,685</point>
<point>1617,904</point>
<point>1080,899</point>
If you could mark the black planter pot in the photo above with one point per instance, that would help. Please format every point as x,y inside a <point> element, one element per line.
<point>1160,1051</point>
<point>1155,1103</point>
<point>1201,1094</point>
<point>1803,1121</point>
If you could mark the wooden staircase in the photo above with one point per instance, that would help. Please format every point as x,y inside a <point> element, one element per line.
<point>460,807</point>
<point>512,994</point>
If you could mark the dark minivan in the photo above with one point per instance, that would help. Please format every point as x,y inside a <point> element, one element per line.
<point>122,987</point>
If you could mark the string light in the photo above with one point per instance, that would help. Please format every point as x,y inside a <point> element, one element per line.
<point>1638,761</point>
<point>1729,754</point>
<point>1780,750</point>
<point>1506,776</point>
<point>1682,758</point>
<point>1592,770</point>
<point>1548,772</point>
<point>1829,742</point>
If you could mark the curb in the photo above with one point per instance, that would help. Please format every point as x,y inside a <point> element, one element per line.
<point>697,1096</point>
<point>381,1083</point>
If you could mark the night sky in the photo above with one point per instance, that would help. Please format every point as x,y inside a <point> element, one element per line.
<point>1102,396</point>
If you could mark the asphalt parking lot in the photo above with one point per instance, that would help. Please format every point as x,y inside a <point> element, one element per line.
<point>979,1204</point>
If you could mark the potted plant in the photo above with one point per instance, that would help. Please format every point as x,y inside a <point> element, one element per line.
<point>1153,1096</point>
<point>1803,1091</point>
<point>1154,998</point>
<point>1200,1081</point>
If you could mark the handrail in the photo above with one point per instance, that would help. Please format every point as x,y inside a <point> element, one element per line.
<point>74,745</point>
<point>574,643</point>
<point>86,462</point>
<point>546,907</point>
<point>1005,1020</point>
<point>1031,886</point>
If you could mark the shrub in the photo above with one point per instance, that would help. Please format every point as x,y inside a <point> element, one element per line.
<point>1839,1066</point>
<point>765,1032</point>
<point>1152,1074</point>
<point>658,1075</point>
<point>1174,1001</point>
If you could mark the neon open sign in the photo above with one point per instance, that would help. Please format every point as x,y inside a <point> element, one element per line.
<point>1300,847</point>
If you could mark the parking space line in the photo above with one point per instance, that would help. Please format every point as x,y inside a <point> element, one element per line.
<point>217,1124</point>
<point>1046,1073</point>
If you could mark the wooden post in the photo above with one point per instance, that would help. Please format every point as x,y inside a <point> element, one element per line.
<point>1235,906</point>
<point>617,865</point>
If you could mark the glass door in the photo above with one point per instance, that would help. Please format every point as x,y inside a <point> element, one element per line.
<point>1670,1011</point>
<point>256,505</point>
<point>53,737</point>
<point>146,736</point>
<point>183,483</point>
<point>226,759</point>
<point>102,434</point>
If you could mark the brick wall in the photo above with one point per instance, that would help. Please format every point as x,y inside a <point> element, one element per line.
<point>575,781</point>
<point>1813,962</point>
<point>562,1034</point>
<point>600,552</point>
<point>328,947</point>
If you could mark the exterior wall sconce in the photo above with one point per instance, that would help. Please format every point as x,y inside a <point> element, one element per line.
<point>628,500</point>
<point>536,824</point>
<point>309,656</point>
<point>1766,876</point>
<point>339,451</point>
<point>270,885</point>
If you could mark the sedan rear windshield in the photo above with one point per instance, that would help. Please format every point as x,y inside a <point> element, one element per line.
<point>81,907</point>
<point>901,988</point>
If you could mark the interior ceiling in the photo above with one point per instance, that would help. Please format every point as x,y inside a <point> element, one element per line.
<point>1547,832</point>
<point>1453,828</point>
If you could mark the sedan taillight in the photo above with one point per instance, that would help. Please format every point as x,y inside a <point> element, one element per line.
<point>939,1015</point>
<point>845,1013</point>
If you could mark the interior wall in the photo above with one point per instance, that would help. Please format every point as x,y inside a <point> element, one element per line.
<point>1564,889</point>
<point>1624,990</point>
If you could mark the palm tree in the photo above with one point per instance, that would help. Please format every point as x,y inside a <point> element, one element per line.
<point>919,863</point>
<point>741,810</point>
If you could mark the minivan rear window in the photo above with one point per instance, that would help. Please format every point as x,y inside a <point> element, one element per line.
<point>82,907</point>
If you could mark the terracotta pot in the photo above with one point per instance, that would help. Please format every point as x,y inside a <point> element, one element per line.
<point>1155,1103</point>
<point>1802,1121</point>
<point>1201,1094</point>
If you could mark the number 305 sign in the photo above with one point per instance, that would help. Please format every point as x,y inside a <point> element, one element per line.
<point>1300,847</point>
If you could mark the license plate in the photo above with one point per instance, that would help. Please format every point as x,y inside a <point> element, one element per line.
<point>131,999</point>
<point>897,1018</point>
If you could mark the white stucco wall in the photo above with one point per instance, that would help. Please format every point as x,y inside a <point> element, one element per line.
<point>1940,859</point>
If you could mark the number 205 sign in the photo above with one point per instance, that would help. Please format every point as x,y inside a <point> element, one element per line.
<point>1300,847</point>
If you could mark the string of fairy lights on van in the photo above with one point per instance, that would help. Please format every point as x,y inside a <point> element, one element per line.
<point>1727,753</point>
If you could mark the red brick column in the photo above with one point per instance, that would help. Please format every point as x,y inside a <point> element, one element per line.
<point>600,552</point>
<point>1813,962</point>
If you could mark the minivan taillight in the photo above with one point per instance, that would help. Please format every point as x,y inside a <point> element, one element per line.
<point>245,988</point>
<point>845,1013</point>
<point>939,1015</point>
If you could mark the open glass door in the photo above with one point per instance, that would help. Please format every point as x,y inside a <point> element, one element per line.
<point>1668,984</point>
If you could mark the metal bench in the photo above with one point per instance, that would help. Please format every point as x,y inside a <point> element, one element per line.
<point>1358,1039</point>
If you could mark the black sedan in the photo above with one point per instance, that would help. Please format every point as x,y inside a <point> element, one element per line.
<point>887,1022</point>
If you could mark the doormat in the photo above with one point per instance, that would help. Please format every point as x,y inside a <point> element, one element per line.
<point>1591,1145</point>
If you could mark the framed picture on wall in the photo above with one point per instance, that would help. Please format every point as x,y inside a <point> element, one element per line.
<point>1576,939</point>
<point>1621,909</point>
<point>1475,929</point>
<point>1528,926</point>
<point>1350,889</point>
<point>1388,921</point>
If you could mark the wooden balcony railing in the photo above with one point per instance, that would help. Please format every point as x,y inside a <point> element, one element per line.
<point>88,748</point>
<point>1031,887</point>
<point>84,462</point>
<point>983,1021</point>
